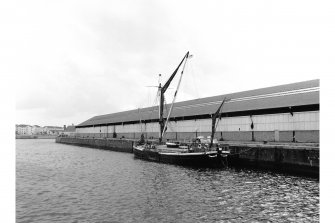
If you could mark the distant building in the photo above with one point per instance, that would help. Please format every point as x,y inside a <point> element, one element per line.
<point>36,130</point>
<point>53,130</point>
<point>23,129</point>
<point>69,130</point>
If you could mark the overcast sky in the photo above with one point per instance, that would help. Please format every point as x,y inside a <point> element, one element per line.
<point>77,59</point>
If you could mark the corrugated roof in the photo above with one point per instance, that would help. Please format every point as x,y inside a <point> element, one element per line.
<point>296,94</point>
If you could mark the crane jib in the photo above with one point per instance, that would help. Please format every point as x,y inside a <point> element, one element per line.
<point>161,101</point>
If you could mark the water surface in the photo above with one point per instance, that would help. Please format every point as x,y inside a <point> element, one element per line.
<point>63,183</point>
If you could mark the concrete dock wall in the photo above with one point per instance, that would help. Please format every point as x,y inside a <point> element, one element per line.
<point>289,158</point>
<point>107,144</point>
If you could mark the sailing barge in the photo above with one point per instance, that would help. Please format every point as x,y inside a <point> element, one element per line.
<point>201,152</point>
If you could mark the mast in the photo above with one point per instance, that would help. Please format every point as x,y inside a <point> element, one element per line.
<point>214,117</point>
<point>160,109</point>
<point>161,91</point>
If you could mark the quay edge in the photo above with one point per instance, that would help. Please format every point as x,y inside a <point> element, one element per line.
<point>291,158</point>
<point>118,145</point>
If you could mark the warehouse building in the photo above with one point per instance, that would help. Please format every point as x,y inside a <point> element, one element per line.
<point>286,113</point>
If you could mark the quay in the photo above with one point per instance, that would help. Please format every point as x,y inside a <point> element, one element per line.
<point>291,158</point>
<point>35,136</point>
<point>118,145</point>
<point>273,128</point>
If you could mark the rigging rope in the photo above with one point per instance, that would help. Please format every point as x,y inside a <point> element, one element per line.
<point>219,118</point>
<point>151,111</point>
<point>175,94</point>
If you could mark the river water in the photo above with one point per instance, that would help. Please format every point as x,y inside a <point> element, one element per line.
<point>63,183</point>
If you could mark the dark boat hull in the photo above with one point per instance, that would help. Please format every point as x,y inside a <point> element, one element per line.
<point>186,159</point>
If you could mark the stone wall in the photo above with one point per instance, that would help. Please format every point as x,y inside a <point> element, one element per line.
<point>289,159</point>
<point>108,144</point>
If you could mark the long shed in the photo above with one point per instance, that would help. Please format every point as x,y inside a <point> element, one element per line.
<point>281,113</point>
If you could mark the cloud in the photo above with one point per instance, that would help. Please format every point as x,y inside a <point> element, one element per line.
<point>75,60</point>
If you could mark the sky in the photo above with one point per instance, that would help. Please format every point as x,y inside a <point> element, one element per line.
<point>73,60</point>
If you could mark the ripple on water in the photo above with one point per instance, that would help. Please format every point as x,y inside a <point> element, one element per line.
<point>65,183</point>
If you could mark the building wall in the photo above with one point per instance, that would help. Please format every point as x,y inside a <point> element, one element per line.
<point>24,130</point>
<point>51,130</point>
<point>307,136</point>
<point>36,130</point>
<point>286,136</point>
<point>303,126</point>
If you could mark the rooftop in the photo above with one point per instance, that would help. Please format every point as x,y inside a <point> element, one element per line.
<point>53,127</point>
<point>23,125</point>
<point>289,95</point>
